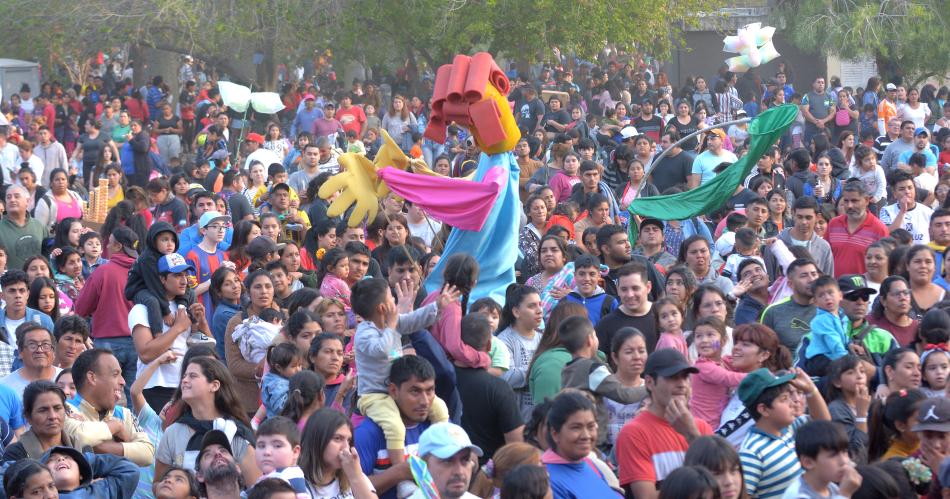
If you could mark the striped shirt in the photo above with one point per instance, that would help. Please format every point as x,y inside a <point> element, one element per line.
<point>769,463</point>
<point>848,248</point>
<point>205,264</point>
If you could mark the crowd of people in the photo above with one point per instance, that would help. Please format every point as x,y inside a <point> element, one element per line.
<point>219,335</point>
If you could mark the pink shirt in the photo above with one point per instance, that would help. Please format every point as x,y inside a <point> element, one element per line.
<point>674,341</point>
<point>72,208</point>
<point>712,387</point>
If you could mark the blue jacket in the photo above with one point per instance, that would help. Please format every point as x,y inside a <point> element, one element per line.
<point>598,305</point>
<point>829,335</point>
<point>274,388</point>
<point>190,237</point>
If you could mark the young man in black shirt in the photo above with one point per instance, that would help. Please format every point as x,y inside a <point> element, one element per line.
<point>490,412</point>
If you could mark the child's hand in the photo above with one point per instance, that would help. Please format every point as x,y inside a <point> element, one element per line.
<point>862,401</point>
<point>198,311</point>
<point>56,252</point>
<point>449,295</point>
<point>350,463</point>
<point>405,296</point>
<point>390,315</point>
<point>882,392</point>
<point>803,382</point>
<point>229,264</point>
<point>166,357</point>
<point>559,292</point>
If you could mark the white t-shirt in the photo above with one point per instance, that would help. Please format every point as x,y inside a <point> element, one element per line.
<point>167,375</point>
<point>424,231</point>
<point>916,221</point>
<point>12,324</point>
<point>16,381</point>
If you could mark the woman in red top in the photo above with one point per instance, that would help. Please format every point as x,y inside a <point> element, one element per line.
<point>892,310</point>
<point>138,109</point>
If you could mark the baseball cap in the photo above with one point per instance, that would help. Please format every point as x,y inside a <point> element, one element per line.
<point>741,112</point>
<point>219,155</point>
<point>212,216</point>
<point>921,131</point>
<point>211,438</point>
<point>651,221</point>
<point>173,263</point>
<point>667,362</point>
<point>195,189</point>
<point>628,132</point>
<point>309,97</point>
<point>890,86</point>
<point>444,440</point>
<point>757,382</point>
<point>718,132</point>
<point>855,285</point>
<point>933,415</point>
<point>328,105</point>
<point>85,470</point>
<point>260,247</point>
<point>128,239</point>
<point>255,137</point>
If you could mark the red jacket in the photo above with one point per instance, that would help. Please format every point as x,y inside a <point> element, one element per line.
<point>103,298</point>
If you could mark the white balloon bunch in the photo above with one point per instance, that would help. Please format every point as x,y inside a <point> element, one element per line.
<point>237,97</point>
<point>754,45</point>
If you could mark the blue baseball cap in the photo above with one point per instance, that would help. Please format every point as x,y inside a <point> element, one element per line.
<point>212,216</point>
<point>921,131</point>
<point>444,440</point>
<point>173,263</point>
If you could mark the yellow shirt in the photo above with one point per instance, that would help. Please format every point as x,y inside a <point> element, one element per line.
<point>115,199</point>
<point>900,449</point>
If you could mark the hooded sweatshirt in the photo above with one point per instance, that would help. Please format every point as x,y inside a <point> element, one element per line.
<point>103,298</point>
<point>144,272</point>
<point>598,304</point>
<point>102,476</point>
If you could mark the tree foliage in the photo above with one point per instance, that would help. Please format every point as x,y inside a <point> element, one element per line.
<point>907,38</point>
<point>227,33</point>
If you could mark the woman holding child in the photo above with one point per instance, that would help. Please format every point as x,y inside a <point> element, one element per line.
<point>259,286</point>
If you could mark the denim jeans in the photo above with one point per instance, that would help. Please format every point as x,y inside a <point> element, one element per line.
<point>124,350</point>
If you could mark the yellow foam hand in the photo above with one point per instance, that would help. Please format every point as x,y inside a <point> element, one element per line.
<point>356,183</point>
<point>390,155</point>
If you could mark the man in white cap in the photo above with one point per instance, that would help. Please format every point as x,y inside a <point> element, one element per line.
<point>887,109</point>
<point>451,459</point>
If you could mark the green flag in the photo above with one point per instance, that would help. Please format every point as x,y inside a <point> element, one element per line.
<point>764,130</point>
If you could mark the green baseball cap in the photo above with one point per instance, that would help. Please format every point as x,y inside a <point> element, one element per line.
<point>757,382</point>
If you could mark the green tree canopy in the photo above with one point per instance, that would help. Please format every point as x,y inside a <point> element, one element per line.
<point>907,38</point>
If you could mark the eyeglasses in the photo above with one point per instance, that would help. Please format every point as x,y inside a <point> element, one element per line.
<point>41,347</point>
<point>900,293</point>
<point>216,227</point>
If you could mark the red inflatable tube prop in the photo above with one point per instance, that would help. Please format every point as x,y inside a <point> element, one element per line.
<point>463,94</point>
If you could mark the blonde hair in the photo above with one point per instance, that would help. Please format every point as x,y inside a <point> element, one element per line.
<point>505,459</point>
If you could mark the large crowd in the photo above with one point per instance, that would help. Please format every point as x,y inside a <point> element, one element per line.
<point>183,319</point>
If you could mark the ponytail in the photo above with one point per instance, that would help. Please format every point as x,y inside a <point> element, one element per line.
<point>883,416</point>
<point>305,388</point>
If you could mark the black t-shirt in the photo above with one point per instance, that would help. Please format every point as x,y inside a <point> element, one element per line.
<point>560,116</point>
<point>672,170</point>
<point>91,149</point>
<point>528,114</point>
<point>615,320</point>
<point>489,409</point>
<point>649,127</point>
<point>174,211</point>
<point>684,130</point>
<point>239,207</point>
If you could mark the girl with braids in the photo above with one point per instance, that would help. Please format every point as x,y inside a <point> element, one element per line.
<point>304,397</point>
<point>461,271</point>
<point>520,320</point>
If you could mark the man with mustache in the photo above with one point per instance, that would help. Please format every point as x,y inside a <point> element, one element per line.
<point>217,471</point>
<point>451,458</point>
<point>850,234</point>
<point>653,445</point>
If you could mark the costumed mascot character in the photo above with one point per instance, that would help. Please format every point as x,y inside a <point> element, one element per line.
<point>484,212</point>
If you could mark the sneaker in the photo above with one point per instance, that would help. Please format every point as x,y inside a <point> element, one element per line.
<point>199,338</point>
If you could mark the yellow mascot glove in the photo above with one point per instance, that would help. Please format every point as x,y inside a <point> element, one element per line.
<point>356,183</point>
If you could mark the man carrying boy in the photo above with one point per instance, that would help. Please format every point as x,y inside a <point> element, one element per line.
<point>653,444</point>
<point>587,291</point>
<point>872,342</point>
<point>493,418</point>
<point>378,343</point>
<point>767,453</point>
<point>207,256</point>
<point>411,385</point>
<point>822,449</point>
<point>791,318</point>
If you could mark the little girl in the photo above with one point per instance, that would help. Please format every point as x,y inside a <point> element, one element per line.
<point>334,269</point>
<point>890,426</point>
<point>669,320</point>
<point>285,360</point>
<point>64,380</point>
<point>563,181</point>
<point>69,272</point>
<point>715,381</point>
<point>848,402</point>
<point>870,173</point>
<point>935,367</point>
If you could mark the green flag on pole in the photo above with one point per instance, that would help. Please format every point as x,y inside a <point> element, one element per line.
<point>764,131</point>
